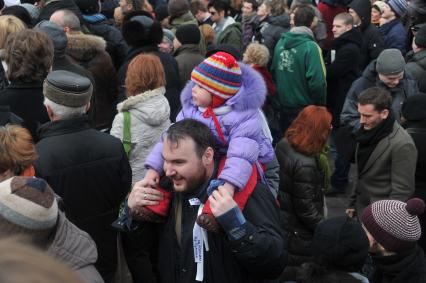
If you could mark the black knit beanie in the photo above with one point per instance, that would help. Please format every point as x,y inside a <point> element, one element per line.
<point>188,34</point>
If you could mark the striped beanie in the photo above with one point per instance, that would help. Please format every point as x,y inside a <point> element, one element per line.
<point>398,6</point>
<point>219,74</point>
<point>27,206</point>
<point>394,224</point>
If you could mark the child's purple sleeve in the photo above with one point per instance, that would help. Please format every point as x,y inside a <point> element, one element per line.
<point>155,159</point>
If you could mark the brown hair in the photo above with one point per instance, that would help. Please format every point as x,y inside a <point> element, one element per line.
<point>20,262</point>
<point>310,130</point>
<point>17,150</point>
<point>9,25</point>
<point>145,72</point>
<point>29,56</point>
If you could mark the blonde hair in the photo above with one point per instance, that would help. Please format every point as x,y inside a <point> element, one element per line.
<point>257,54</point>
<point>8,25</point>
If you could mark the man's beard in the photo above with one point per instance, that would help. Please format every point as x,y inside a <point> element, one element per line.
<point>194,183</point>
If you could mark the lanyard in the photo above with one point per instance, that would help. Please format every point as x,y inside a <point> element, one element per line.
<point>199,241</point>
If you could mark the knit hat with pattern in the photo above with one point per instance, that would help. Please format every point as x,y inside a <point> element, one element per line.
<point>394,224</point>
<point>398,6</point>
<point>219,74</point>
<point>27,206</point>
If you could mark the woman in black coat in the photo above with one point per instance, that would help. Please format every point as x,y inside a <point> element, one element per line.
<point>302,180</point>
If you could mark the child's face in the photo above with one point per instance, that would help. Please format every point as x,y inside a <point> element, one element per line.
<point>201,97</point>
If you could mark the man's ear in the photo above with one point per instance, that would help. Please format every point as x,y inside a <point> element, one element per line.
<point>384,114</point>
<point>49,112</point>
<point>87,106</point>
<point>208,156</point>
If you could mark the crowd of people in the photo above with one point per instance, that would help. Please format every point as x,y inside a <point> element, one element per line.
<point>200,141</point>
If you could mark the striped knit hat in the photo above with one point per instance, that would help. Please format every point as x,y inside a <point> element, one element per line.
<point>394,224</point>
<point>27,206</point>
<point>219,74</point>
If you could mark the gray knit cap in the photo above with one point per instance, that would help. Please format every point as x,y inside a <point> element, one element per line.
<point>390,62</point>
<point>67,89</point>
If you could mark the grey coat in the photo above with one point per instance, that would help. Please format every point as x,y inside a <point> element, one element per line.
<point>389,171</point>
<point>75,248</point>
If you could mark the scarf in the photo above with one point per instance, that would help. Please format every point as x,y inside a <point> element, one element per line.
<point>94,18</point>
<point>368,139</point>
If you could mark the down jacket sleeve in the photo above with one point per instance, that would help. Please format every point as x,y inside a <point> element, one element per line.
<point>263,251</point>
<point>243,148</point>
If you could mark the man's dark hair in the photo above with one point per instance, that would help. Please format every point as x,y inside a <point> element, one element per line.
<point>304,16</point>
<point>197,131</point>
<point>253,3</point>
<point>379,97</point>
<point>219,6</point>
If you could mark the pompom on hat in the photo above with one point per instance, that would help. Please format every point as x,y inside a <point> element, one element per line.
<point>219,74</point>
<point>394,224</point>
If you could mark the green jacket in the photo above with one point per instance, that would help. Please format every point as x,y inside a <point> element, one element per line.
<point>232,35</point>
<point>299,71</point>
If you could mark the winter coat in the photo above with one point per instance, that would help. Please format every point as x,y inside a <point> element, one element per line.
<point>416,66</point>
<point>91,173</point>
<point>26,101</point>
<point>372,42</point>
<point>343,71</point>
<point>171,70</point>
<point>256,257</point>
<point>240,123</point>
<point>89,52</point>
<point>298,70</point>
<point>116,45</point>
<point>301,198</point>
<point>187,56</point>
<point>149,117</point>
<point>273,30</point>
<point>417,131</point>
<point>394,35</point>
<point>389,172</point>
<point>350,116</point>
<point>232,35</point>
<point>76,249</point>
<point>406,267</point>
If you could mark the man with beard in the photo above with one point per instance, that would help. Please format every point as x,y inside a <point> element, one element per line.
<point>252,247</point>
<point>385,155</point>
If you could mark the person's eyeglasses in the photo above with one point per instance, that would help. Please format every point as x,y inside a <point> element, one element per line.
<point>415,28</point>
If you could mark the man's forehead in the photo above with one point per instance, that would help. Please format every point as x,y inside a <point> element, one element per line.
<point>179,146</point>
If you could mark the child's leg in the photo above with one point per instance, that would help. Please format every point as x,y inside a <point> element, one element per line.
<point>208,221</point>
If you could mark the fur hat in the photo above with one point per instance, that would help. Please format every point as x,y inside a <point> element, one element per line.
<point>140,29</point>
<point>27,206</point>
<point>394,224</point>
<point>219,74</point>
<point>67,89</point>
<point>188,34</point>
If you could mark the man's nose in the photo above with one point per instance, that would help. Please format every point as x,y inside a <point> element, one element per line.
<point>169,170</point>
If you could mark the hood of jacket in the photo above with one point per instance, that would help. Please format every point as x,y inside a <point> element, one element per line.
<point>84,47</point>
<point>296,37</point>
<point>351,36</point>
<point>419,58</point>
<point>363,9</point>
<point>251,95</point>
<point>72,246</point>
<point>282,20</point>
<point>150,107</point>
<point>184,19</point>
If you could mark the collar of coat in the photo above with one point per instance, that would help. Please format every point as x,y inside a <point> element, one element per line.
<point>131,101</point>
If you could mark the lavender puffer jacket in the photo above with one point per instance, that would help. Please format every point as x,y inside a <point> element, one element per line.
<point>241,126</point>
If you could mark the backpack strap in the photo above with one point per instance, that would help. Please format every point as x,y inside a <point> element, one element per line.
<point>127,139</point>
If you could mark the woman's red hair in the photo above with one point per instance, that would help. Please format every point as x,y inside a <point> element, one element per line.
<point>310,130</point>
